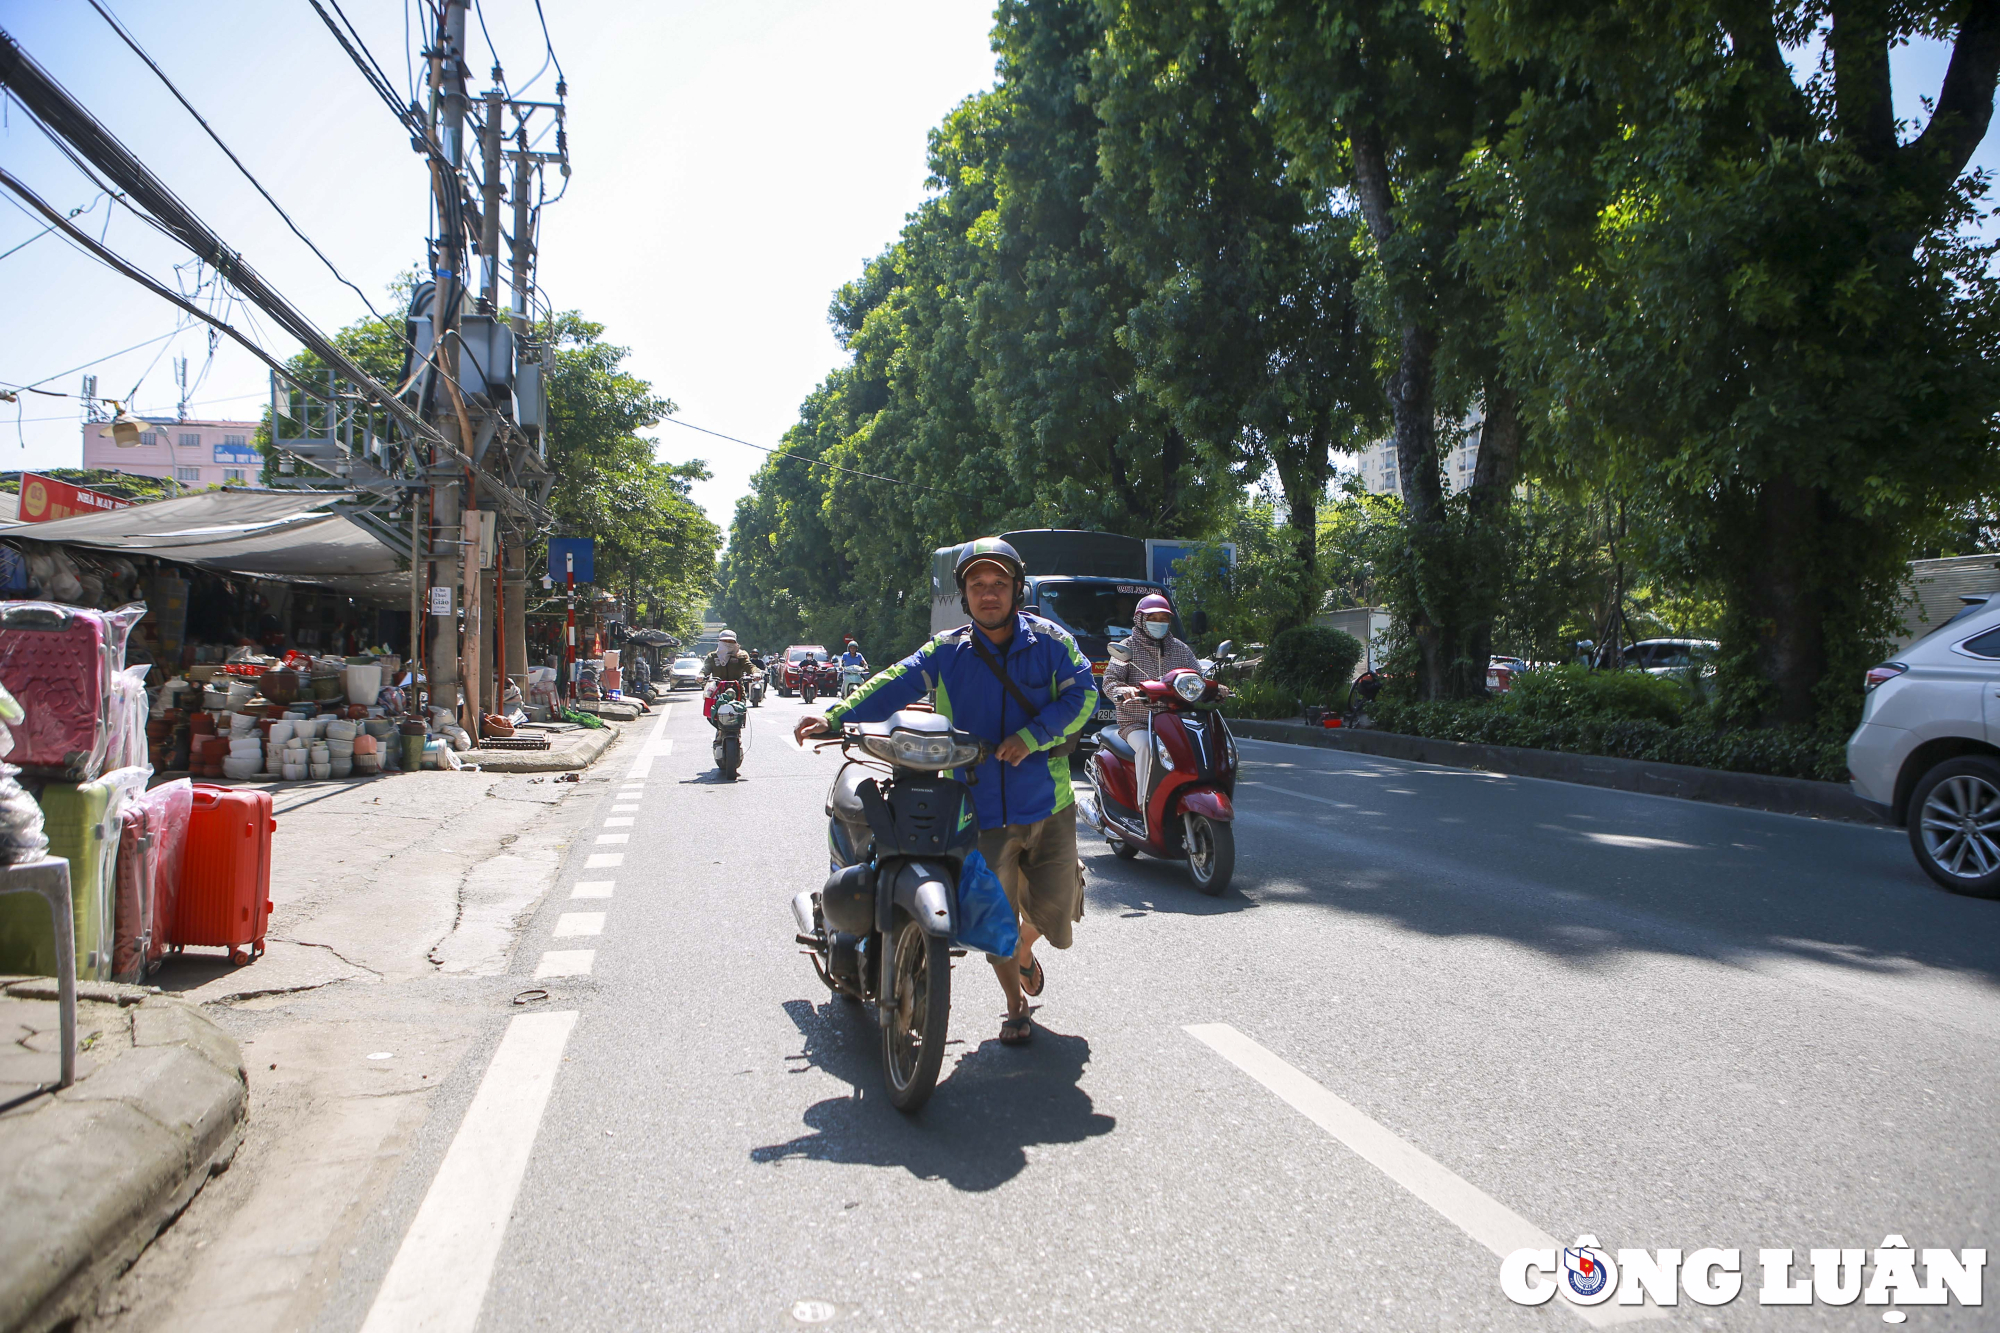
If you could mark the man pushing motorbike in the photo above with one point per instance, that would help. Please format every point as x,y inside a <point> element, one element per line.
<point>1017,682</point>
<point>727,662</point>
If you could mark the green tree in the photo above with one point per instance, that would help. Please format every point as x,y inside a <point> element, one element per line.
<point>1380,101</point>
<point>1755,299</point>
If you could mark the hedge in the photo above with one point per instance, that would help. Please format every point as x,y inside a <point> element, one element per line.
<point>1787,752</point>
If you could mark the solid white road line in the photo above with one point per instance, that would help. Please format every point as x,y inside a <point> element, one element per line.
<point>579,923</point>
<point>565,963</point>
<point>619,821</point>
<point>1461,1203</point>
<point>1303,796</point>
<point>439,1277</point>
<point>604,860</point>
<point>592,888</point>
<point>643,765</point>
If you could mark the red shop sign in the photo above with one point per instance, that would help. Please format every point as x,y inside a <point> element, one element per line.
<point>44,499</point>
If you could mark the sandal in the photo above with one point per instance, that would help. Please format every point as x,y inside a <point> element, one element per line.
<point>1033,978</point>
<point>1017,1031</point>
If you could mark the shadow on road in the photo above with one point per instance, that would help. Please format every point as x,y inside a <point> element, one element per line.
<point>976,1129</point>
<point>1143,885</point>
<point>1585,874</point>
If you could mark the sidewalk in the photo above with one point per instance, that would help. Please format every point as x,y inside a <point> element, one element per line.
<point>91,1173</point>
<point>397,901</point>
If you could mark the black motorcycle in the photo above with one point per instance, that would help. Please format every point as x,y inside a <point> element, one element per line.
<point>730,717</point>
<point>880,928</point>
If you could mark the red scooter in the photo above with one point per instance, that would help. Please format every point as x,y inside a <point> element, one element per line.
<point>1188,815</point>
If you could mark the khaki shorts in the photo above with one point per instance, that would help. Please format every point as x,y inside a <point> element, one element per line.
<point>1038,868</point>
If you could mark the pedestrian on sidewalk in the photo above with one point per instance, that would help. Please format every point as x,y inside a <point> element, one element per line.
<point>1019,683</point>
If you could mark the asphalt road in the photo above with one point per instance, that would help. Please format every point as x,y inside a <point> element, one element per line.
<point>1660,1023</point>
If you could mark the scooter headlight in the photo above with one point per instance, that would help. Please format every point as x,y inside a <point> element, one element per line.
<point>1189,686</point>
<point>928,751</point>
<point>1160,753</point>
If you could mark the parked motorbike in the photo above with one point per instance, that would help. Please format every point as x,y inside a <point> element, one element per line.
<point>852,678</point>
<point>1188,815</point>
<point>880,928</point>
<point>730,716</point>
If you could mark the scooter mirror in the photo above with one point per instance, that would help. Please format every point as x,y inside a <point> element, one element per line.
<point>1224,649</point>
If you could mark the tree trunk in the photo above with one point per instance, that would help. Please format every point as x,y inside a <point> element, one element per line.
<point>1784,599</point>
<point>1487,503</point>
<point>1302,469</point>
<point>1173,449</point>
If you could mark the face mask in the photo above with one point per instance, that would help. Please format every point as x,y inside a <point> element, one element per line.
<point>1158,628</point>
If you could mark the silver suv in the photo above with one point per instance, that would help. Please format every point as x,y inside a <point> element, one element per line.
<point>1927,752</point>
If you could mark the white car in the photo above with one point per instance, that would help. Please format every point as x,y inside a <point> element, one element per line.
<point>1672,657</point>
<point>685,673</point>
<point>1927,752</point>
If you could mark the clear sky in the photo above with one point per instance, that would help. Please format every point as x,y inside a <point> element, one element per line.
<point>735,161</point>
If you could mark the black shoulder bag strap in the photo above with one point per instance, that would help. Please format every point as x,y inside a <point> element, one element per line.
<point>985,653</point>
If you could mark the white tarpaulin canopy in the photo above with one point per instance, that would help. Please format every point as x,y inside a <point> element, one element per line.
<point>293,536</point>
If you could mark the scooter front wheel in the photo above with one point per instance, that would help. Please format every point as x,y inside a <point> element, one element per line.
<point>730,759</point>
<point>1211,853</point>
<point>919,1005</point>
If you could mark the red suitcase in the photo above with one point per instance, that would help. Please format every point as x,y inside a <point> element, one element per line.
<point>226,872</point>
<point>149,878</point>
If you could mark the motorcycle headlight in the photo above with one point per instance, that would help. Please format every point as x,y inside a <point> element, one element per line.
<point>924,750</point>
<point>1189,686</point>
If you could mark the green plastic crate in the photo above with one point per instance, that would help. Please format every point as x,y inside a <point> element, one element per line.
<point>83,830</point>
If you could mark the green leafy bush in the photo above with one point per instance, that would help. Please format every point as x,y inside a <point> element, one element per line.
<point>1568,692</point>
<point>1261,698</point>
<point>1790,752</point>
<point>1314,662</point>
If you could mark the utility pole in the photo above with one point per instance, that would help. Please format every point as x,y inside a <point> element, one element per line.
<point>514,555</point>
<point>448,299</point>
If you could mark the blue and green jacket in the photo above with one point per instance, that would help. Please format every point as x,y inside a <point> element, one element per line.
<point>1044,661</point>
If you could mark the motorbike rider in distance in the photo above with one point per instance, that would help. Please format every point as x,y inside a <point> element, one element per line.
<point>1150,653</point>
<point>851,654</point>
<point>727,662</point>
<point>1018,682</point>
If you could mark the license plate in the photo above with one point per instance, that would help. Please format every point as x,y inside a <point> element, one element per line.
<point>1106,714</point>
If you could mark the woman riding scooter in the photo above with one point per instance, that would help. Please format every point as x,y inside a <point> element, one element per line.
<point>1150,654</point>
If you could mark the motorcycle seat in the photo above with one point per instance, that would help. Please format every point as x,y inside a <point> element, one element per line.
<point>1110,739</point>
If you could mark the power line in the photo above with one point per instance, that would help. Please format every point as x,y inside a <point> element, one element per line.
<point>816,462</point>
<point>74,213</point>
<point>94,362</point>
<point>230,153</point>
<point>550,47</point>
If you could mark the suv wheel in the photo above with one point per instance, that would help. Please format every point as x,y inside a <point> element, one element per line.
<point>1955,825</point>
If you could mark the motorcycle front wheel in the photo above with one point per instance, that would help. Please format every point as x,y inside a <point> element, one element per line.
<point>1211,853</point>
<point>730,759</point>
<point>806,693</point>
<point>919,1011</point>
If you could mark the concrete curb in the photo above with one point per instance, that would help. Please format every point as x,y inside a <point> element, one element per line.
<point>90,1175</point>
<point>1752,791</point>
<point>580,754</point>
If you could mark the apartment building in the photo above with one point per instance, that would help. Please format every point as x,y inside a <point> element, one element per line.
<point>194,453</point>
<point>1377,463</point>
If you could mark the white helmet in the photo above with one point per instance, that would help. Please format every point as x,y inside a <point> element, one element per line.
<point>727,636</point>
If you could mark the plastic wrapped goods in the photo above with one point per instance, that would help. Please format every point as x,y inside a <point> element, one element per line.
<point>63,663</point>
<point>21,834</point>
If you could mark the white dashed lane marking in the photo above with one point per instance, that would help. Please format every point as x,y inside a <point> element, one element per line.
<point>1460,1202</point>
<point>612,838</point>
<point>619,821</point>
<point>592,888</point>
<point>439,1276</point>
<point>604,860</point>
<point>565,963</point>
<point>579,923</point>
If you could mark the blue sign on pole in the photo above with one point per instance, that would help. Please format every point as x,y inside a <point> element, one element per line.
<point>583,548</point>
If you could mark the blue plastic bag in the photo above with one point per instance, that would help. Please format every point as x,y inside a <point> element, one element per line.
<point>985,918</point>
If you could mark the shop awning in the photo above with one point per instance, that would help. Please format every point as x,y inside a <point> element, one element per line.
<point>294,536</point>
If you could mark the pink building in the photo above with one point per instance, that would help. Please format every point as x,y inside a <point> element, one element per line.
<point>194,453</point>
